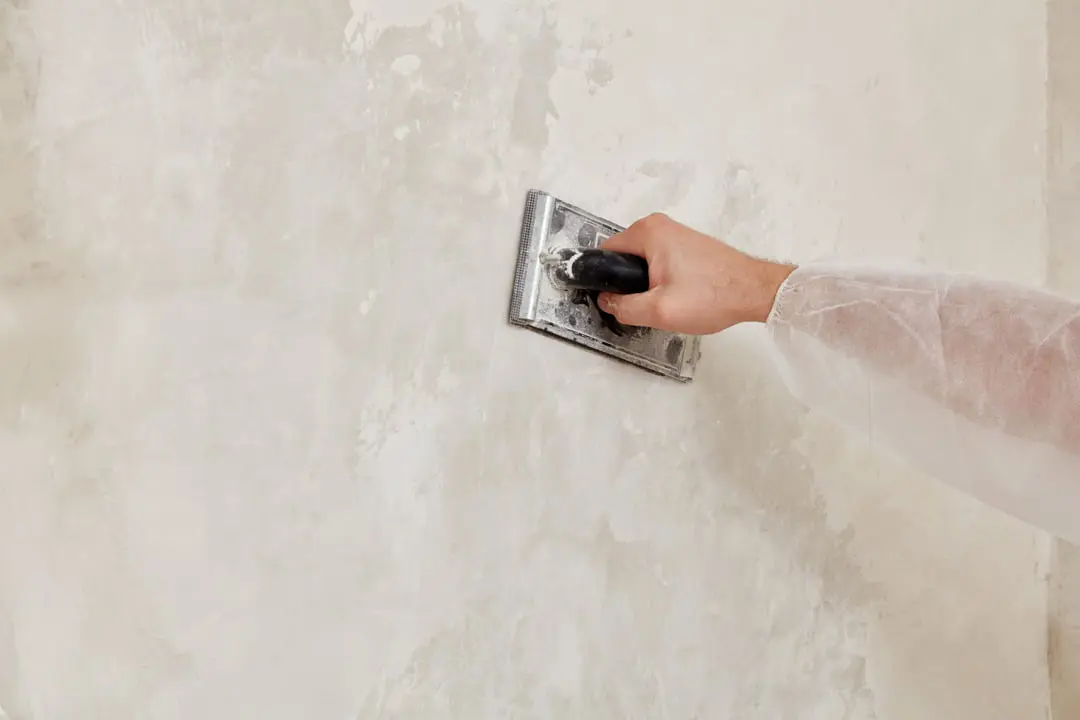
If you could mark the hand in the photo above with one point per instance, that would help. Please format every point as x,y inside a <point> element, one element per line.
<point>697,285</point>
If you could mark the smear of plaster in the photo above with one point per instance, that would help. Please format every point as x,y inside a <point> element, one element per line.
<point>418,120</point>
<point>406,64</point>
<point>368,22</point>
<point>365,306</point>
<point>599,74</point>
<point>437,29</point>
<point>532,102</point>
<point>354,38</point>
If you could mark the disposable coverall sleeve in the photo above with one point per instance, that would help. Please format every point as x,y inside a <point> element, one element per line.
<point>975,381</point>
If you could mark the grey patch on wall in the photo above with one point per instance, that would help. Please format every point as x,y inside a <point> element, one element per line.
<point>599,74</point>
<point>532,102</point>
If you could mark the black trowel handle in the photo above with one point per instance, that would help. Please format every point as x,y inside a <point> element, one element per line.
<point>607,271</point>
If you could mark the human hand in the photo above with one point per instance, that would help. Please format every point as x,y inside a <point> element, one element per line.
<point>697,285</point>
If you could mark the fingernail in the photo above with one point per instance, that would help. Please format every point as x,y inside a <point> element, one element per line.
<point>607,304</point>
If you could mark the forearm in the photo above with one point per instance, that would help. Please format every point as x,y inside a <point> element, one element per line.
<point>1005,357</point>
<point>976,382</point>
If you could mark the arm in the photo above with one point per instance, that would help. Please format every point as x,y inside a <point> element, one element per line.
<point>975,381</point>
<point>1002,356</point>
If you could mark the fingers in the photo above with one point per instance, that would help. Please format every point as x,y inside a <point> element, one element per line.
<point>638,310</point>
<point>633,240</point>
<point>627,241</point>
<point>641,309</point>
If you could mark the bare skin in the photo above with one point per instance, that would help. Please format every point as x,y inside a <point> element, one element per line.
<point>698,285</point>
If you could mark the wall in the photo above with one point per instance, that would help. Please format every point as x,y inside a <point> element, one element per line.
<point>1063,213</point>
<point>271,449</point>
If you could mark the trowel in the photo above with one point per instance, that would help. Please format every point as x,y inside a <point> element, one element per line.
<point>560,272</point>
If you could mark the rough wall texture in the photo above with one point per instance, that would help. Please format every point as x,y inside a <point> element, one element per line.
<point>270,449</point>
<point>1063,213</point>
<point>1063,197</point>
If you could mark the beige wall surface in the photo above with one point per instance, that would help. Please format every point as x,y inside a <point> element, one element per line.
<point>1063,214</point>
<point>269,449</point>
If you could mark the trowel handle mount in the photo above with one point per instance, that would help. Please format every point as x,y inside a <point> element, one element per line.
<point>600,271</point>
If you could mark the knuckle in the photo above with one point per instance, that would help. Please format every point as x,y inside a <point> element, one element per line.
<point>656,220</point>
<point>652,222</point>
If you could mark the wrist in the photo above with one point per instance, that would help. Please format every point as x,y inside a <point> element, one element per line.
<point>771,278</point>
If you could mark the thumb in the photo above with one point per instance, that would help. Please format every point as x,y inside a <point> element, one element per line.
<point>638,309</point>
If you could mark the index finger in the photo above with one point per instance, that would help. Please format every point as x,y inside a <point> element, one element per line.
<point>631,240</point>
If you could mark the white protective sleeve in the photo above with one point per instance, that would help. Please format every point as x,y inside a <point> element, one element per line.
<point>975,381</point>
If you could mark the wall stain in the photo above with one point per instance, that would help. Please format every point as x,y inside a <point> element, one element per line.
<point>532,100</point>
<point>599,74</point>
